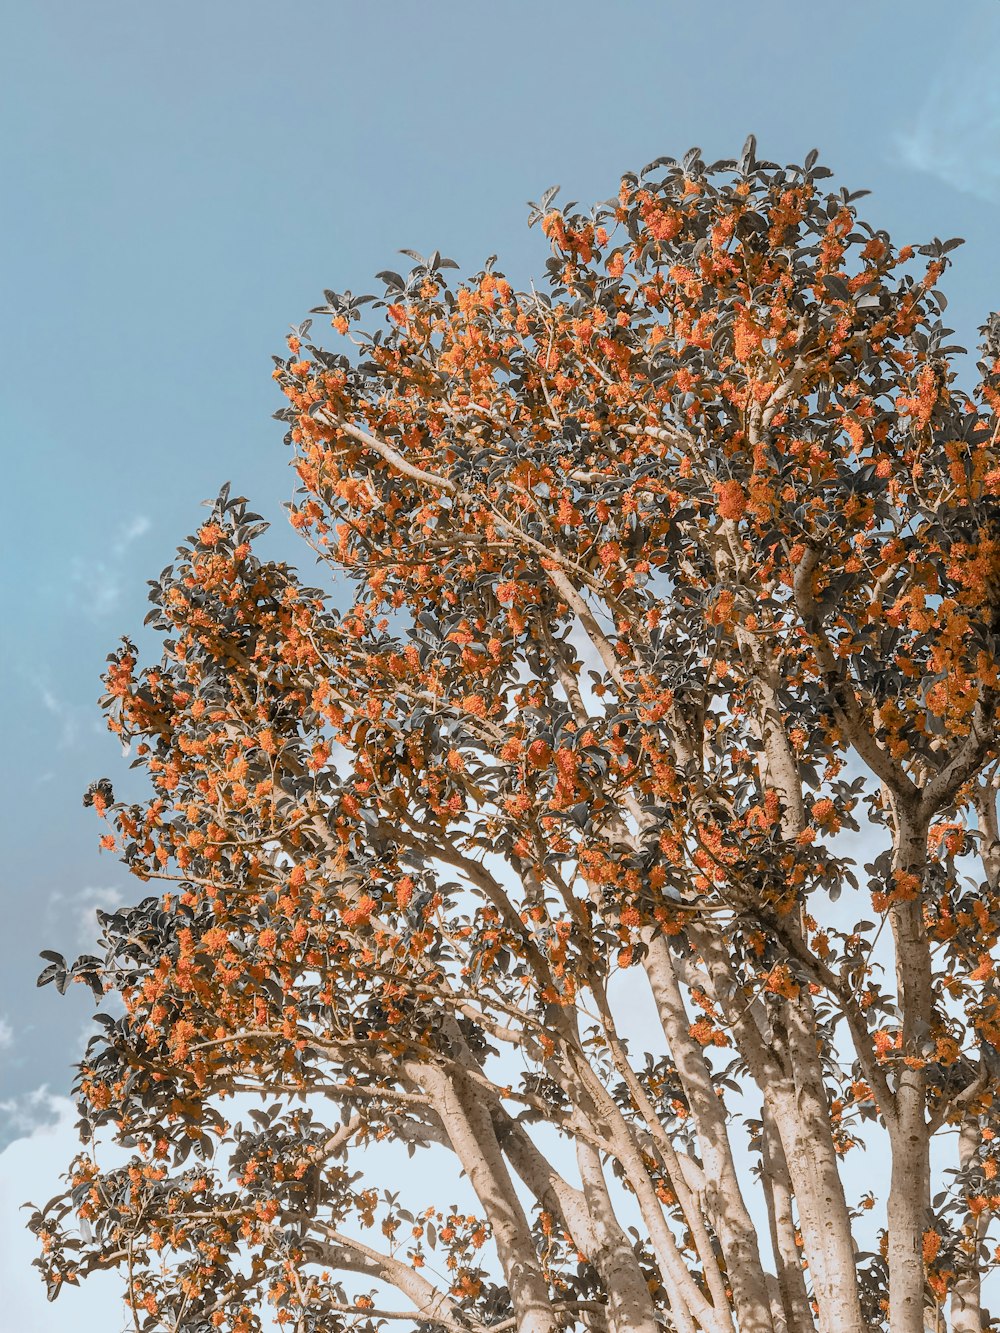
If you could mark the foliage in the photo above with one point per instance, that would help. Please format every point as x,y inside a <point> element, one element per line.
<point>663,578</point>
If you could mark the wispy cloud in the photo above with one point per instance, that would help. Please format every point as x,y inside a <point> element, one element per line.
<point>27,1113</point>
<point>136,528</point>
<point>96,588</point>
<point>6,1034</point>
<point>98,582</point>
<point>65,714</point>
<point>38,1150</point>
<point>955,134</point>
<point>79,910</point>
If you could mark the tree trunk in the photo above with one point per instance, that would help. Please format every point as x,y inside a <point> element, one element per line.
<point>630,1305</point>
<point>909,1194</point>
<point>966,1294</point>
<point>724,1197</point>
<point>790,1078</point>
<point>467,1123</point>
<point>909,1135</point>
<point>801,1118</point>
<point>787,1256</point>
<point>589,1218</point>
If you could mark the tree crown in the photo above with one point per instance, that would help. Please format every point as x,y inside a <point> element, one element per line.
<point>660,579</point>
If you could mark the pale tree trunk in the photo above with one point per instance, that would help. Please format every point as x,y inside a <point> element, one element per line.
<point>802,1113</point>
<point>909,1194</point>
<point>467,1123</point>
<point>687,1302</point>
<point>777,1310</point>
<point>723,1195</point>
<point>966,1294</point>
<point>630,1306</point>
<point>815,1173</point>
<point>781,1222</point>
<point>802,1122</point>
<point>789,1077</point>
<point>909,1134</point>
<point>679,1169</point>
<point>588,1217</point>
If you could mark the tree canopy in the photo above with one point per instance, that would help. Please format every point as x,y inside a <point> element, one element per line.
<point>653,704</point>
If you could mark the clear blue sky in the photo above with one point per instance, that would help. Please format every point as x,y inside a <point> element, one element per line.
<point>180,182</point>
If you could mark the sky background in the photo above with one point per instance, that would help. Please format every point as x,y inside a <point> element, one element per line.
<point>181,181</point>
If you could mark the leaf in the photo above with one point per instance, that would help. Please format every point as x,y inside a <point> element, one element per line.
<point>837,287</point>
<point>391,278</point>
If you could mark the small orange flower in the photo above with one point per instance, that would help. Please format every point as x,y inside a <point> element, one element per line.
<point>732,500</point>
<point>210,535</point>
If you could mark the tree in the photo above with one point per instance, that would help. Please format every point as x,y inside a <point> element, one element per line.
<point>664,583</point>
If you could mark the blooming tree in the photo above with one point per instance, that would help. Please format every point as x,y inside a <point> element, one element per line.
<point>658,580</point>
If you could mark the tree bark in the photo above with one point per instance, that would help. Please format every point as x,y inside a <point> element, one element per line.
<point>588,1217</point>
<point>723,1195</point>
<point>909,1133</point>
<point>630,1305</point>
<point>790,1079</point>
<point>787,1256</point>
<point>467,1123</point>
<point>801,1119</point>
<point>966,1294</point>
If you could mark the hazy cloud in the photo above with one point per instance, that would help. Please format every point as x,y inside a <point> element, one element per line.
<point>29,1169</point>
<point>955,134</point>
<point>98,582</point>
<point>67,715</point>
<point>28,1113</point>
<point>136,528</point>
<point>78,908</point>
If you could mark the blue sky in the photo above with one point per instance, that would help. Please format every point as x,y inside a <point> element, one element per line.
<point>180,183</point>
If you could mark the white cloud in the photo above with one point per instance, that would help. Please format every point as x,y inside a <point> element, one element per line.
<point>6,1034</point>
<point>955,134</point>
<point>98,581</point>
<point>65,714</point>
<point>29,1169</point>
<point>88,902</point>
<point>29,1113</point>
<point>132,531</point>
<point>78,909</point>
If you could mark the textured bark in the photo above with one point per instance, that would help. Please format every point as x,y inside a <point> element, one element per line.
<point>789,1077</point>
<point>909,1134</point>
<point>687,1301</point>
<point>723,1196</point>
<point>467,1123</point>
<point>631,1308</point>
<point>777,1310</point>
<point>802,1121</point>
<point>778,1193</point>
<point>686,1179</point>
<point>805,1128</point>
<point>966,1294</point>
<point>589,1218</point>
